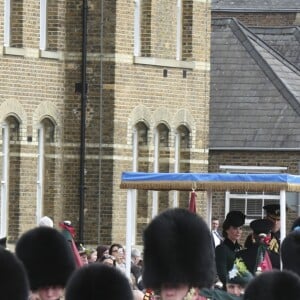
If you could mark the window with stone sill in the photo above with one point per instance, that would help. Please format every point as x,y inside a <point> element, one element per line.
<point>13,23</point>
<point>157,36</point>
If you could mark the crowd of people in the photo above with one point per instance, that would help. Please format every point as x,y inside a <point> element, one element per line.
<point>181,259</point>
<point>238,265</point>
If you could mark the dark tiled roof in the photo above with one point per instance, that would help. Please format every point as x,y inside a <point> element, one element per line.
<point>256,5</point>
<point>255,92</point>
<point>286,40</point>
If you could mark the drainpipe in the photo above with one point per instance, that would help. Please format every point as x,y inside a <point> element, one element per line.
<point>83,120</point>
<point>101,116</point>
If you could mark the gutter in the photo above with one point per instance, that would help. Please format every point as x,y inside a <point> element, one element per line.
<point>251,149</point>
<point>257,10</point>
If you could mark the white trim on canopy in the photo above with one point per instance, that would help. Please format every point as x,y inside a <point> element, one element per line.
<point>206,182</point>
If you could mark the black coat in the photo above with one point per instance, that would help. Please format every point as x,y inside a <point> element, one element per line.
<point>225,255</point>
<point>249,257</point>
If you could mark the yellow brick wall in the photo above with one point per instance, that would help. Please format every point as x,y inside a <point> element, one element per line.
<point>38,84</point>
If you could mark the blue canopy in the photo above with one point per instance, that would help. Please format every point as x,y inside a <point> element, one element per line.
<point>210,181</point>
<point>205,182</point>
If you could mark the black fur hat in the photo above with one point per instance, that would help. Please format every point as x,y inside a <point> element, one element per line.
<point>98,282</point>
<point>290,252</point>
<point>3,242</point>
<point>178,249</point>
<point>274,285</point>
<point>47,257</point>
<point>13,280</point>
<point>261,226</point>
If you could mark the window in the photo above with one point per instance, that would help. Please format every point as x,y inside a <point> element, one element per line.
<point>251,204</point>
<point>179,31</point>
<point>46,168</point>
<point>141,164</point>
<point>161,163</point>
<point>13,23</point>
<point>182,161</point>
<point>49,25</point>
<point>10,176</point>
<point>163,30</point>
<point>43,24</point>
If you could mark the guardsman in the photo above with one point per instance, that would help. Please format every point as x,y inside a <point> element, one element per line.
<point>273,214</point>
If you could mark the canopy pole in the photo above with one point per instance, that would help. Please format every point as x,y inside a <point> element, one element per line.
<point>282,217</point>
<point>209,207</point>
<point>130,194</point>
<point>154,203</point>
<point>282,214</point>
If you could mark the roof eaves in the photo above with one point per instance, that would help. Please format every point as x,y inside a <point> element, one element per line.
<point>252,149</point>
<point>257,10</point>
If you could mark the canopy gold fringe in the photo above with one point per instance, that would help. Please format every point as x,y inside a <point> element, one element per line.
<point>216,186</point>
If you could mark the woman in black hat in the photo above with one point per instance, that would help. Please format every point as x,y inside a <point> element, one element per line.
<point>226,251</point>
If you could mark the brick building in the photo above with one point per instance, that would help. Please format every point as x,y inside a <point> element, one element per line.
<point>255,96</point>
<point>147,71</point>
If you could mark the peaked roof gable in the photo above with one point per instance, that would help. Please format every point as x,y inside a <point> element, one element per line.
<point>286,40</point>
<point>255,97</point>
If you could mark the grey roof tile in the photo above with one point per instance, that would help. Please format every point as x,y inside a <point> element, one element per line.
<point>255,92</point>
<point>286,40</point>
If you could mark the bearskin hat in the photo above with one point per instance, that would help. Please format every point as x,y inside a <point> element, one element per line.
<point>178,249</point>
<point>3,242</point>
<point>260,226</point>
<point>290,249</point>
<point>296,225</point>
<point>98,282</point>
<point>13,278</point>
<point>274,285</point>
<point>47,257</point>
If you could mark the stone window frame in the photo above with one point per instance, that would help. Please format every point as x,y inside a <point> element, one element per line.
<point>13,24</point>
<point>43,139</point>
<point>139,58</point>
<point>7,139</point>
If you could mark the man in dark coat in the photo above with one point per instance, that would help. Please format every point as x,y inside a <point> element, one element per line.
<point>273,214</point>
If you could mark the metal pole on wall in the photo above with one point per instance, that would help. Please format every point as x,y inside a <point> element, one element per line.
<point>83,121</point>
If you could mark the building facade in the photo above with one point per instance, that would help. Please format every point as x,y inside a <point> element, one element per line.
<point>147,69</point>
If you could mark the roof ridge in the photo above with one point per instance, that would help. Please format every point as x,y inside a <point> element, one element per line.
<point>247,38</point>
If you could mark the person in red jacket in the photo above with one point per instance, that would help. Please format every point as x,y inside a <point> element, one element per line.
<point>68,232</point>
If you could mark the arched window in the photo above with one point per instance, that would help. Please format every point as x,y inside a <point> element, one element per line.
<point>10,177</point>
<point>161,163</point>
<point>182,159</point>
<point>141,164</point>
<point>46,169</point>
